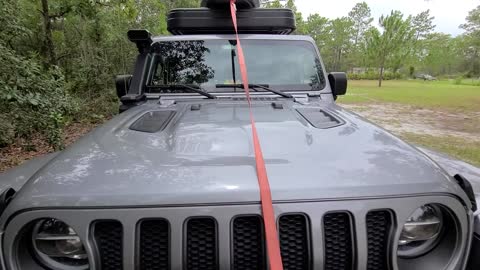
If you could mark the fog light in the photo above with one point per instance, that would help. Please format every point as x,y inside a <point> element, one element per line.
<point>58,246</point>
<point>421,232</point>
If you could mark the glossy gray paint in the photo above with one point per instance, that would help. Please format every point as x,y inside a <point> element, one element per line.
<point>16,177</point>
<point>206,156</point>
<point>454,166</point>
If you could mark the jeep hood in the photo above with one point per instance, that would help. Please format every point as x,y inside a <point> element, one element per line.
<point>206,156</point>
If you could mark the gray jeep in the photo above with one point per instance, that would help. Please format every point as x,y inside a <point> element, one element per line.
<point>170,183</point>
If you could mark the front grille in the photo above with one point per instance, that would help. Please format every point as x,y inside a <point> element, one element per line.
<point>379,228</point>
<point>338,241</point>
<point>154,245</point>
<point>201,244</point>
<point>108,238</point>
<point>165,242</point>
<point>293,231</point>
<point>248,246</point>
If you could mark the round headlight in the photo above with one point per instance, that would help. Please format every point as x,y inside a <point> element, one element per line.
<point>58,246</point>
<point>421,232</point>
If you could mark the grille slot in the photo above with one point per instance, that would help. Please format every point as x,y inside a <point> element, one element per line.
<point>248,247</point>
<point>108,238</point>
<point>379,228</point>
<point>294,241</point>
<point>248,244</point>
<point>338,241</point>
<point>201,249</point>
<point>154,245</point>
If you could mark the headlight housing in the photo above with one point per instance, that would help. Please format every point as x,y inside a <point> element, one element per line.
<point>57,246</point>
<point>421,232</point>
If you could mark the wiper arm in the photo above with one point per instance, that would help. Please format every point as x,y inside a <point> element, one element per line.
<point>193,88</point>
<point>278,92</point>
<point>253,86</point>
<point>199,90</point>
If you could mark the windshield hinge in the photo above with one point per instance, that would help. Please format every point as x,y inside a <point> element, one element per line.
<point>164,102</point>
<point>301,98</point>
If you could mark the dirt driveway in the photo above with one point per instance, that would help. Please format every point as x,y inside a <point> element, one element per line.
<point>401,119</point>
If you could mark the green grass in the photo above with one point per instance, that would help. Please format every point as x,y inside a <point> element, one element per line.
<point>455,147</point>
<point>473,82</point>
<point>436,94</point>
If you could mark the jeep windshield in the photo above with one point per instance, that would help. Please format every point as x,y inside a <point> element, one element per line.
<point>212,65</point>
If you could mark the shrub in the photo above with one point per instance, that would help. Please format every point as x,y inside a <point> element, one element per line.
<point>457,81</point>
<point>7,132</point>
<point>370,75</point>
<point>32,99</point>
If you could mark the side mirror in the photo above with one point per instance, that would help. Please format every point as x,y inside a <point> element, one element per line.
<point>338,82</point>
<point>122,83</point>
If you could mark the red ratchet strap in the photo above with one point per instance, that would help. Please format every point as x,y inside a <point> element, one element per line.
<point>273,245</point>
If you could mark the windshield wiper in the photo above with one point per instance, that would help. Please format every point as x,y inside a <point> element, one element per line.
<point>253,86</point>
<point>192,88</point>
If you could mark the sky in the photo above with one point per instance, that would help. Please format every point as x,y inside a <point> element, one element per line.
<point>449,14</point>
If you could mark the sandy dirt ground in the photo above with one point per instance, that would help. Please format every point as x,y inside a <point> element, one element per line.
<point>401,119</point>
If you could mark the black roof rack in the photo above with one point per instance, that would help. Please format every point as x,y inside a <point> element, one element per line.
<point>215,18</point>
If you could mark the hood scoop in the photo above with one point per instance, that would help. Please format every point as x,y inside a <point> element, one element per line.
<point>152,122</point>
<point>320,118</point>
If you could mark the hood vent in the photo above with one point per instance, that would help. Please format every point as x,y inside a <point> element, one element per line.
<point>320,118</point>
<point>152,122</point>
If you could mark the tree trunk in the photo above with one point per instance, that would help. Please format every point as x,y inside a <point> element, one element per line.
<point>339,59</point>
<point>380,78</point>
<point>474,62</point>
<point>382,67</point>
<point>49,48</point>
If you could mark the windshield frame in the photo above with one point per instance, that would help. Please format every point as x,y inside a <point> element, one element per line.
<point>293,89</point>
